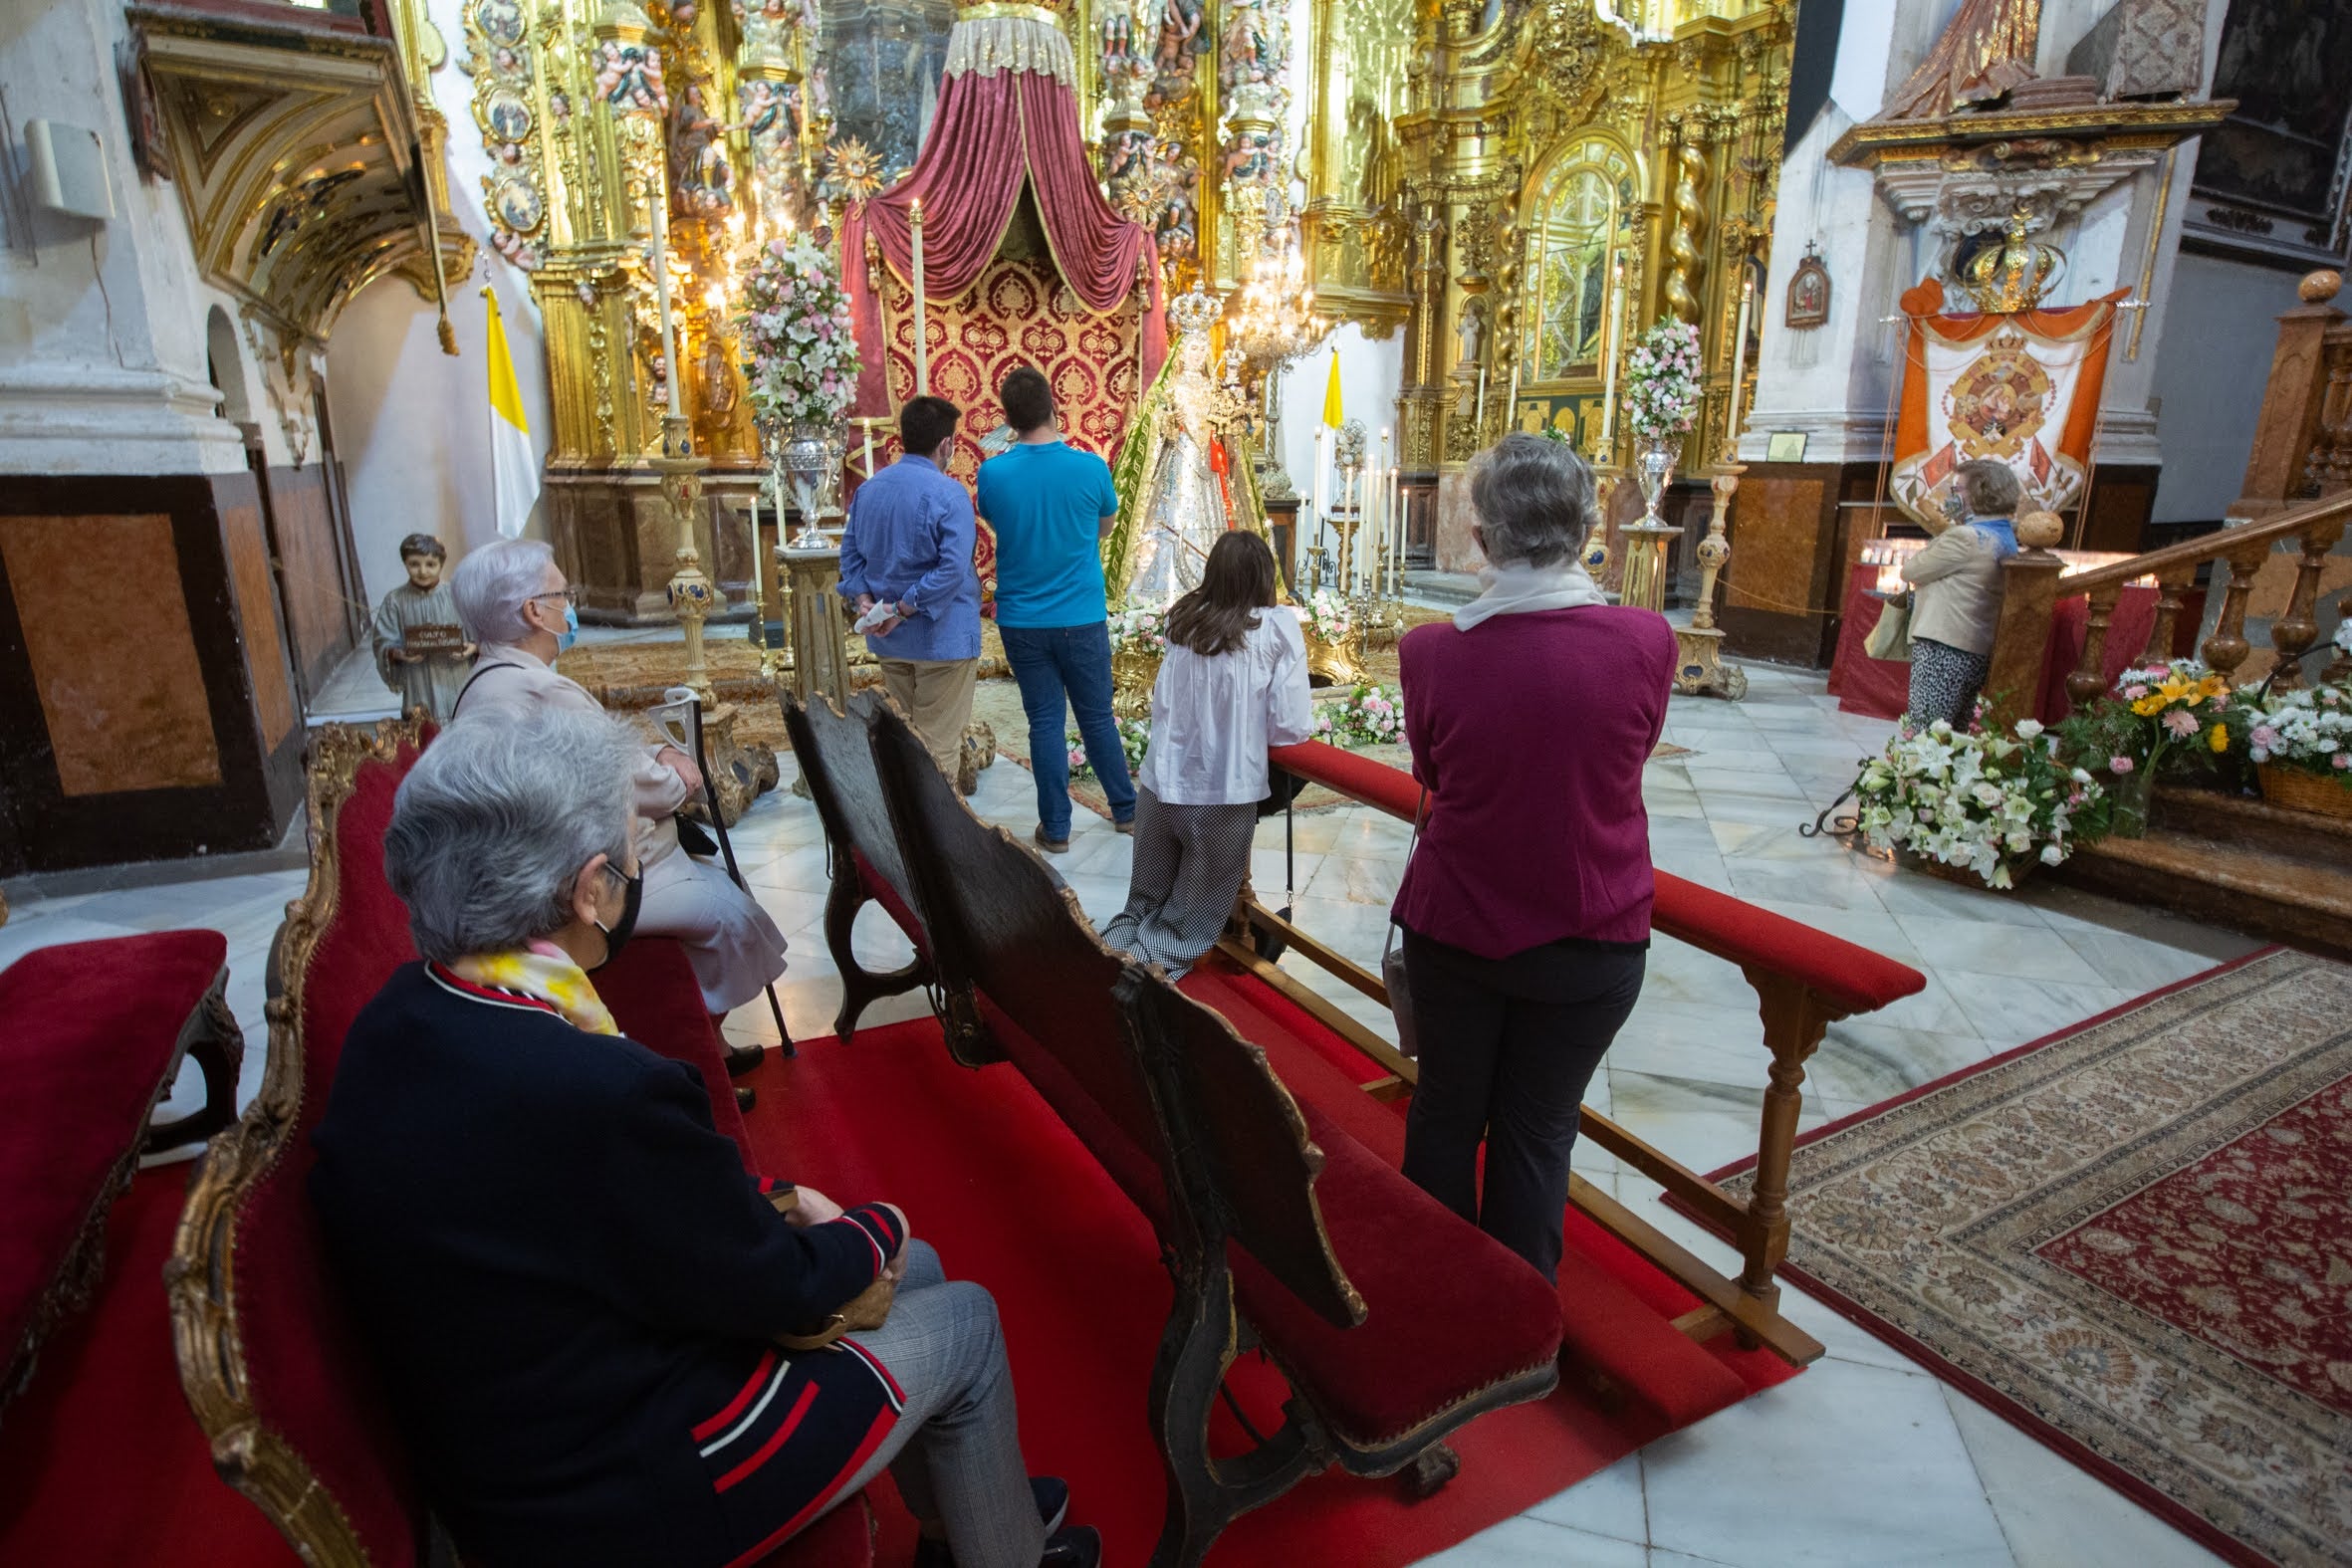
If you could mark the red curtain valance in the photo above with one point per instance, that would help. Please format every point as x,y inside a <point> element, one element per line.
<point>990,133</point>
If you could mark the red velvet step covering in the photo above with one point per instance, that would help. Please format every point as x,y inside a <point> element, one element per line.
<point>1604,1327</point>
<point>91,1030</point>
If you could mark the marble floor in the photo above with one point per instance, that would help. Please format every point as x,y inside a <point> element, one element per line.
<point>1866,1458</point>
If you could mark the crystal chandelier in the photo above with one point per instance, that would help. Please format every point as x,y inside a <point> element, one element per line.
<point>1275,321</point>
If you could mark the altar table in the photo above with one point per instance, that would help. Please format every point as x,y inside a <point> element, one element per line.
<point>1881,688</point>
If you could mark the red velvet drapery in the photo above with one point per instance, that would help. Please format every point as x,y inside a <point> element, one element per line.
<point>990,133</point>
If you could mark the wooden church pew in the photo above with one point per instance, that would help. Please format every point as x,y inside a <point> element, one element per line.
<point>1343,1269</point>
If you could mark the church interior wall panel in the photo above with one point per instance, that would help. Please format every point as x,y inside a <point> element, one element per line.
<point>257,620</point>
<point>1786,548</point>
<point>2220,325</point>
<point>112,723</point>
<point>107,758</point>
<point>311,571</point>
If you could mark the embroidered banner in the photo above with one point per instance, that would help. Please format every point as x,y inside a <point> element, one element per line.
<point>2022,389</point>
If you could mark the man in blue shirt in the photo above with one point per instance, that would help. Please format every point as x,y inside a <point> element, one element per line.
<point>908,549</point>
<point>1051,506</point>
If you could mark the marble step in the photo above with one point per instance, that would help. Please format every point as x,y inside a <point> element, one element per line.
<point>1441,587</point>
<point>2288,896</point>
<point>2256,825</point>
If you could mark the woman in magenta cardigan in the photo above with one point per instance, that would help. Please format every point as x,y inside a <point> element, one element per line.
<point>1526,906</point>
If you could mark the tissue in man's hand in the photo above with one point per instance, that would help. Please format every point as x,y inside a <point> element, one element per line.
<point>883,610</point>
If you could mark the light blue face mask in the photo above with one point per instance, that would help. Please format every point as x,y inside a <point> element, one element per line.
<point>571,631</point>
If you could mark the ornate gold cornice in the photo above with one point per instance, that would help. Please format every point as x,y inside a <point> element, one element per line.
<point>2120,126</point>
<point>293,148</point>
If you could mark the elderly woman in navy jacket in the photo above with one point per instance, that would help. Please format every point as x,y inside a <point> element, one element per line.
<point>573,1289</point>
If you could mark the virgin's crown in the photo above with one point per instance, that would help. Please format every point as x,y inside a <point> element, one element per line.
<point>1195,312</point>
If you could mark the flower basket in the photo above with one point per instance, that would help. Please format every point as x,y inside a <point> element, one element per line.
<point>2298,791</point>
<point>2020,871</point>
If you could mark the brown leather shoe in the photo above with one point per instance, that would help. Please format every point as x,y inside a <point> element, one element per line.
<point>1128,828</point>
<point>1051,847</point>
<point>741,1059</point>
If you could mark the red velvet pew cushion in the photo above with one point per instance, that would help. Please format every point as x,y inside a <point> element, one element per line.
<point>91,1029</point>
<point>878,887</point>
<point>1449,1311</point>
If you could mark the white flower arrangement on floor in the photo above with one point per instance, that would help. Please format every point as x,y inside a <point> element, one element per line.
<point>799,353</point>
<point>1134,740</point>
<point>1986,803</point>
<point>1662,382</point>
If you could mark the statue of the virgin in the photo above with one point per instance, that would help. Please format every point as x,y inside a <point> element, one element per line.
<point>1178,487</point>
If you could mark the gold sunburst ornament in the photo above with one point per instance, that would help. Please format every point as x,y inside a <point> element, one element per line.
<point>852,170</point>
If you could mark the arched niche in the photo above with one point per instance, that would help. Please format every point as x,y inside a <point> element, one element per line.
<point>1579,225</point>
<point>226,367</point>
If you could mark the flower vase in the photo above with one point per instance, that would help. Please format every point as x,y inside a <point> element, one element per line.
<point>805,452</point>
<point>1657,460</point>
<point>2132,794</point>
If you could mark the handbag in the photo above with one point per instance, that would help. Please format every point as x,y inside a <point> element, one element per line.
<point>1890,640</point>
<point>1392,960</point>
<point>868,1309</point>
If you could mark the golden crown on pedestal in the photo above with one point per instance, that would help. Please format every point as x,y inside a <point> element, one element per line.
<point>968,8</point>
<point>1195,312</point>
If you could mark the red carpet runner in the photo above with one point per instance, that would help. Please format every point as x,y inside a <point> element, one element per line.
<point>989,1176</point>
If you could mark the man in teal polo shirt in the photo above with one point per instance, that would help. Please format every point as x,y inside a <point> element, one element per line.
<point>1052,507</point>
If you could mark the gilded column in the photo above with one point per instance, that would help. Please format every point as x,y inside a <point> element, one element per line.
<point>1686,240</point>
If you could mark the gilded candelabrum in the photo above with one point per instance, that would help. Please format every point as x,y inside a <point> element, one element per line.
<point>692,595</point>
<point>1699,668</point>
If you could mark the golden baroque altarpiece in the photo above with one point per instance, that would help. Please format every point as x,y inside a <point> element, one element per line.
<point>1518,186</point>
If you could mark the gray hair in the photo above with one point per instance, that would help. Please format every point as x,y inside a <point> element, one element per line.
<point>1988,488</point>
<point>493,823</point>
<point>1535,500</point>
<point>493,583</point>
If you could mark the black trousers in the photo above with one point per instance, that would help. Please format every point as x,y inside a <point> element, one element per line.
<point>1507,1048</point>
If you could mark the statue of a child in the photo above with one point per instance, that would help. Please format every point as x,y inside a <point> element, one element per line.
<point>420,648</point>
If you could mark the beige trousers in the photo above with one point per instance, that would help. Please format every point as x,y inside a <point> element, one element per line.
<point>936,694</point>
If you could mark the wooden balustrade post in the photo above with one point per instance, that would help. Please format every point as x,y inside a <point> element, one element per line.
<point>2226,648</point>
<point>1795,1020</point>
<point>2088,681</point>
<point>2291,401</point>
<point>2293,632</point>
<point>2021,638</point>
<point>2171,591</point>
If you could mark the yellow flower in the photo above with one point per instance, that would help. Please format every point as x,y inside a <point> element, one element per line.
<point>2220,739</point>
<point>2150,706</point>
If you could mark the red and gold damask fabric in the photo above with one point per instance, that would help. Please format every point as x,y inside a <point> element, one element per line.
<point>1018,313</point>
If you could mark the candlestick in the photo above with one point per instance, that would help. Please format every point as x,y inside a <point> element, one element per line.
<point>1479,423</point>
<point>1321,493</point>
<point>870,451</point>
<point>1613,326</point>
<point>1731,430</point>
<point>670,368</point>
<point>1396,530</point>
<point>922,329</point>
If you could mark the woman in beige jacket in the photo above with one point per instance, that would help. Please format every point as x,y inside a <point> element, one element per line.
<point>1955,595</point>
<point>513,602</point>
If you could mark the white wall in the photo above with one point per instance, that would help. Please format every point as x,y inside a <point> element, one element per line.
<point>102,324</point>
<point>1370,373</point>
<point>2219,328</point>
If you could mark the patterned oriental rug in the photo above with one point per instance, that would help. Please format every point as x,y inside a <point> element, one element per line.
<point>2134,1240</point>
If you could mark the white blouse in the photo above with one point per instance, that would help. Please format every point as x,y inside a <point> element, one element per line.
<point>1212,719</point>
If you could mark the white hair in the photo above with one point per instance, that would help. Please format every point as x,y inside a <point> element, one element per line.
<point>1535,500</point>
<point>493,583</point>
<point>493,823</point>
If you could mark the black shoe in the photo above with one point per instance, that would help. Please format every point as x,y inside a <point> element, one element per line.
<point>741,1059</point>
<point>1079,1546</point>
<point>744,1098</point>
<point>1053,1495</point>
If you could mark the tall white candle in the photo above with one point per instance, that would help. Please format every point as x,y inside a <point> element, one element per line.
<point>922,329</point>
<point>1396,530</point>
<point>1320,490</point>
<point>671,369</point>
<point>759,632</point>
<point>1479,428</point>
<point>870,451</point>
<point>1731,430</point>
<point>1608,353</point>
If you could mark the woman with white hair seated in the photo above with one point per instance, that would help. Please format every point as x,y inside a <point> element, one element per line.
<point>515,602</point>
<point>1955,594</point>
<point>582,1306</point>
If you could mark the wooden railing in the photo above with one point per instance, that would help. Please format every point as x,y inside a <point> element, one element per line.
<point>2298,486</point>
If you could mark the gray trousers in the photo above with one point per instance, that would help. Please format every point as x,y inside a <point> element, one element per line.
<point>956,1451</point>
<point>1189,865</point>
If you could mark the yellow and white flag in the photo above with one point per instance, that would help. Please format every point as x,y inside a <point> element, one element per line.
<point>1333,413</point>
<point>514,467</point>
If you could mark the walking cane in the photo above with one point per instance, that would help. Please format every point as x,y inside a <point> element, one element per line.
<point>683,696</point>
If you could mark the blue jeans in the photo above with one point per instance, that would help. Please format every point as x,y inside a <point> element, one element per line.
<point>1063,669</point>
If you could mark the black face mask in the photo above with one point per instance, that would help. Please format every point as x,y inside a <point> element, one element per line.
<point>616,935</point>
